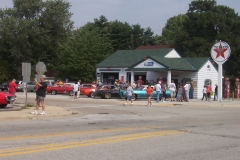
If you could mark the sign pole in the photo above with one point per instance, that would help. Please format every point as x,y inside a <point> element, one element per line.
<point>220,53</point>
<point>219,83</point>
<point>26,100</point>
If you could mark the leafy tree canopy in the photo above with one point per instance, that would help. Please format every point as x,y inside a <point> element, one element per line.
<point>201,27</point>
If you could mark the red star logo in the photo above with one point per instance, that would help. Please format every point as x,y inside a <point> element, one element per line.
<point>220,51</point>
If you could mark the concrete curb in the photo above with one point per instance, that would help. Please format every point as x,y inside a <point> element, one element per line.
<point>16,112</point>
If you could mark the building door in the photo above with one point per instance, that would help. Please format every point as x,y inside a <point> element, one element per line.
<point>207,81</point>
<point>136,77</point>
<point>109,78</point>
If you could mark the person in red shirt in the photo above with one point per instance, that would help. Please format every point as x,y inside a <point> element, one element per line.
<point>149,91</point>
<point>139,81</point>
<point>209,90</point>
<point>12,87</point>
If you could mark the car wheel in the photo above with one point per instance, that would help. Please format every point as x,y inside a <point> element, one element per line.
<point>92,95</point>
<point>107,95</point>
<point>134,97</point>
<point>71,93</point>
<point>53,92</point>
<point>3,105</point>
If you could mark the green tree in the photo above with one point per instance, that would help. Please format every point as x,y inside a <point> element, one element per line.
<point>205,23</point>
<point>84,50</point>
<point>32,31</point>
<point>124,36</point>
<point>173,29</point>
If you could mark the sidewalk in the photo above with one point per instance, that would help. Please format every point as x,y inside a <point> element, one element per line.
<point>14,111</point>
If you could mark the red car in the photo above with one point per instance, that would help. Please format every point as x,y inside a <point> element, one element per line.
<point>88,90</point>
<point>6,98</point>
<point>66,89</point>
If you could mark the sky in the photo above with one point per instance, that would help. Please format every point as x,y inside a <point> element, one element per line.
<point>147,13</point>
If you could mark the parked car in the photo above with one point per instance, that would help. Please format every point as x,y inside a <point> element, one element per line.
<point>107,91</point>
<point>6,98</point>
<point>140,93</point>
<point>30,86</point>
<point>19,86</point>
<point>57,89</point>
<point>4,87</point>
<point>88,90</point>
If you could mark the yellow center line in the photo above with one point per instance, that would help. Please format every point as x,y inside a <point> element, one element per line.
<point>52,147</point>
<point>74,133</point>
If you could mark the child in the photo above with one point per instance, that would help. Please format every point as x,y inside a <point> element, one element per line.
<point>149,91</point>
<point>204,92</point>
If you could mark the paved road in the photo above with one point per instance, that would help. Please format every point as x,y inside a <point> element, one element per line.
<point>105,129</point>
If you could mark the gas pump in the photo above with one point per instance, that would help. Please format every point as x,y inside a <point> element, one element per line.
<point>237,88</point>
<point>227,88</point>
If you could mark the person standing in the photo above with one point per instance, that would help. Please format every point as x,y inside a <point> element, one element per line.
<point>163,95</point>
<point>209,90</point>
<point>75,90</point>
<point>179,94</point>
<point>172,88</point>
<point>40,94</point>
<point>129,94</point>
<point>79,88</point>
<point>191,90</point>
<point>204,91</point>
<point>158,90</point>
<point>187,87</point>
<point>134,85</point>
<point>215,93</point>
<point>149,91</point>
<point>12,87</point>
<point>140,81</point>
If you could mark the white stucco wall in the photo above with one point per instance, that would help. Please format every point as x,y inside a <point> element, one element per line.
<point>153,76</point>
<point>205,73</point>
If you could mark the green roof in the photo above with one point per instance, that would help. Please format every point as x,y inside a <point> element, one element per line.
<point>131,58</point>
<point>182,64</point>
<point>127,58</point>
<point>197,62</point>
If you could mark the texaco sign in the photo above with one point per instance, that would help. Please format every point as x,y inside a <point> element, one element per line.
<point>220,52</point>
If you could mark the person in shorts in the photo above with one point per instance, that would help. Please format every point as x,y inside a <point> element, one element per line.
<point>149,91</point>
<point>129,94</point>
<point>40,94</point>
<point>172,88</point>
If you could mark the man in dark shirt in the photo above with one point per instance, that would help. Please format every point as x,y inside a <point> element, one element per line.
<point>216,92</point>
<point>40,94</point>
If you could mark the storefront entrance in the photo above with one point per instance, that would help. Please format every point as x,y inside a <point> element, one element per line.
<point>109,78</point>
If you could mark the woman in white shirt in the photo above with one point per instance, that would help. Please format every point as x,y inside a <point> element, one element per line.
<point>172,88</point>
<point>75,90</point>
